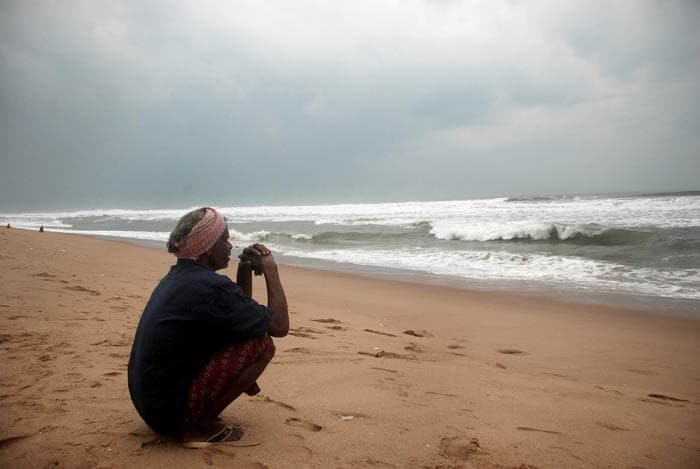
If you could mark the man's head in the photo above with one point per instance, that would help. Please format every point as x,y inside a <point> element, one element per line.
<point>202,235</point>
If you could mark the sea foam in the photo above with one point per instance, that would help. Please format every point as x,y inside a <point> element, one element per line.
<point>498,266</point>
<point>640,244</point>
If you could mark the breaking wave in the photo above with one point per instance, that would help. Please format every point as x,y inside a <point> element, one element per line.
<point>551,232</point>
<point>330,237</point>
<point>645,243</point>
<point>480,265</point>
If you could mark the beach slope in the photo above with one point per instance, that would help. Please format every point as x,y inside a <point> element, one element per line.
<point>374,373</point>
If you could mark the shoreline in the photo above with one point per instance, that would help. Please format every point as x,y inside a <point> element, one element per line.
<point>375,372</point>
<point>685,308</point>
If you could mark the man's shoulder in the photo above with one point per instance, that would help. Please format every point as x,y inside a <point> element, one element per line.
<point>192,276</point>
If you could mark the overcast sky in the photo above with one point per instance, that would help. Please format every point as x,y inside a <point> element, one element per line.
<point>178,103</point>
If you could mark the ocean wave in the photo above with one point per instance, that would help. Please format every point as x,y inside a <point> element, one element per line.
<point>328,237</point>
<point>665,210</point>
<point>333,237</point>
<point>574,272</point>
<point>31,222</point>
<point>384,220</point>
<point>265,236</point>
<point>551,198</point>
<point>140,235</point>
<point>253,237</point>
<point>539,231</point>
<point>690,193</point>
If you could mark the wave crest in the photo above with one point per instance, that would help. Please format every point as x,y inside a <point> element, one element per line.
<point>550,232</point>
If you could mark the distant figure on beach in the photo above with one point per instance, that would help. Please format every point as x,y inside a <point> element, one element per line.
<point>41,229</point>
<point>202,340</point>
<point>8,225</point>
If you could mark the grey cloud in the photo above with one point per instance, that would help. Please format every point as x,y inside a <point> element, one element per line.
<point>156,104</point>
<point>626,38</point>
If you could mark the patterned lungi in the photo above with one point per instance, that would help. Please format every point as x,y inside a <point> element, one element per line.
<point>218,375</point>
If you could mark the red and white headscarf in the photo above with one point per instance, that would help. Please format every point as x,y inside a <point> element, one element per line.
<point>203,235</point>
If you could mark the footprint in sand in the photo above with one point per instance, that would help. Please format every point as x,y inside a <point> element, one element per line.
<point>153,442</point>
<point>309,426</point>
<point>459,448</point>
<point>298,350</point>
<point>420,333</point>
<point>83,289</point>
<point>301,334</point>
<point>664,400</point>
<point>559,375</point>
<point>667,398</point>
<point>530,429</point>
<point>112,343</point>
<point>258,465</point>
<point>642,372</point>
<point>380,333</point>
<point>434,393</point>
<point>281,404</point>
<point>613,427</point>
<point>308,330</point>
<point>613,391</point>
<point>414,347</point>
<point>346,416</point>
<point>304,332</point>
<point>12,439</point>
<point>379,353</point>
<point>376,352</point>
<point>44,275</point>
<point>327,321</point>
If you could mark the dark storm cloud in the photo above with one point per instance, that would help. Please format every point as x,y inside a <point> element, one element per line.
<point>167,103</point>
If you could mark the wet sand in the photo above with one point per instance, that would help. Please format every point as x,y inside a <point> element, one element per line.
<point>375,373</point>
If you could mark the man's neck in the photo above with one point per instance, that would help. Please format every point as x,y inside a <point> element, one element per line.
<point>203,261</point>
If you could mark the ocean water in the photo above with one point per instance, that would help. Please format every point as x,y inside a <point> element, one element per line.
<point>641,244</point>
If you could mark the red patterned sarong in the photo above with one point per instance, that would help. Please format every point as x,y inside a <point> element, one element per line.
<point>219,374</point>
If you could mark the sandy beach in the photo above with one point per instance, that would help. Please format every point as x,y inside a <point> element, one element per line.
<point>375,373</point>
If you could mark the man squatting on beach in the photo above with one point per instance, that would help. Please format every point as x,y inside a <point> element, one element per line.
<point>202,339</point>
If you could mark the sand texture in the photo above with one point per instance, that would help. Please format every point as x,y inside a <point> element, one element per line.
<point>374,373</point>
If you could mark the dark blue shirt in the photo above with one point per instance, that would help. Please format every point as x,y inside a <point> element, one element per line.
<point>192,314</point>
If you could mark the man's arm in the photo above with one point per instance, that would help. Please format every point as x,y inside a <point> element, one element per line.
<point>244,277</point>
<point>276,299</point>
<point>257,258</point>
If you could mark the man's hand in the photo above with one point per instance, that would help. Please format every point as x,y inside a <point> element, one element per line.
<point>257,257</point>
